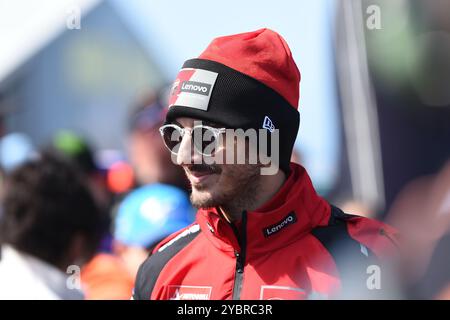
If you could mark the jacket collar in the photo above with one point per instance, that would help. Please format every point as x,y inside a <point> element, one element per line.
<point>288,216</point>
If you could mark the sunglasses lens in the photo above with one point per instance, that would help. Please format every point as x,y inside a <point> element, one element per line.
<point>172,138</point>
<point>205,141</point>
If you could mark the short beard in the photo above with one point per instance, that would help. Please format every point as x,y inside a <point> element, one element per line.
<point>239,197</point>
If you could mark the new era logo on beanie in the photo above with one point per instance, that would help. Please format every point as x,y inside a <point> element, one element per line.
<point>268,124</point>
<point>239,81</point>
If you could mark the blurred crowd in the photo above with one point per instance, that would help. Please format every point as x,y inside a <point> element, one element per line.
<point>421,214</point>
<point>72,227</point>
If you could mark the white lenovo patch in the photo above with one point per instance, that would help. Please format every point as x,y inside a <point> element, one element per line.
<point>193,88</point>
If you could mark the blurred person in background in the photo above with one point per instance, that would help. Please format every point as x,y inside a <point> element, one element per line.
<point>145,216</point>
<point>78,150</point>
<point>148,156</point>
<point>421,212</point>
<point>49,221</point>
<point>105,275</point>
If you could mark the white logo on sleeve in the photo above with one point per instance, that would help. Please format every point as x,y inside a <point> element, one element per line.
<point>364,250</point>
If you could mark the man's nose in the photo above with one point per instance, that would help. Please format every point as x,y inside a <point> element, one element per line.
<point>186,152</point>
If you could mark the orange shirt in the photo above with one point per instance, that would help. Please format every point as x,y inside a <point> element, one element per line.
<point>106,278</point>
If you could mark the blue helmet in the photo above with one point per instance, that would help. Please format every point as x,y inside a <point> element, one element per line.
<point>151,213</point>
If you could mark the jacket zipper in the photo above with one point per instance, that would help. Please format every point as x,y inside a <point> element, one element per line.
<point>240,257</point>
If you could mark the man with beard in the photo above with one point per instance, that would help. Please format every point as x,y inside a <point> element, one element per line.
<point>259,234</point>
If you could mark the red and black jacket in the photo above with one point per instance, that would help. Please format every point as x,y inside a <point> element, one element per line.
<point>296,246</point>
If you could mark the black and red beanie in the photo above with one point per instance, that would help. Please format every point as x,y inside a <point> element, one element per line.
<point>247,80</point>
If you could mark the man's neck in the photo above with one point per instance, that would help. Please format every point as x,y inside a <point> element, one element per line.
<point>268,187</point>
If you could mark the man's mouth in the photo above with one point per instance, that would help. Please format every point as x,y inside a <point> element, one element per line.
<point>200,173</point>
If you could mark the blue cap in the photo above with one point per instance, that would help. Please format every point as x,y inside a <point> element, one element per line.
<point>151,213</point>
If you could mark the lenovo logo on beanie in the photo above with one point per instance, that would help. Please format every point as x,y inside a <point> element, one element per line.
<point>193,88</point>
<point>245,81</point>
<point>196,87</point>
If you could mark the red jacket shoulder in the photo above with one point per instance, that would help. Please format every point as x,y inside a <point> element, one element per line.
<point>194,227</point>
<point>379,237</point>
